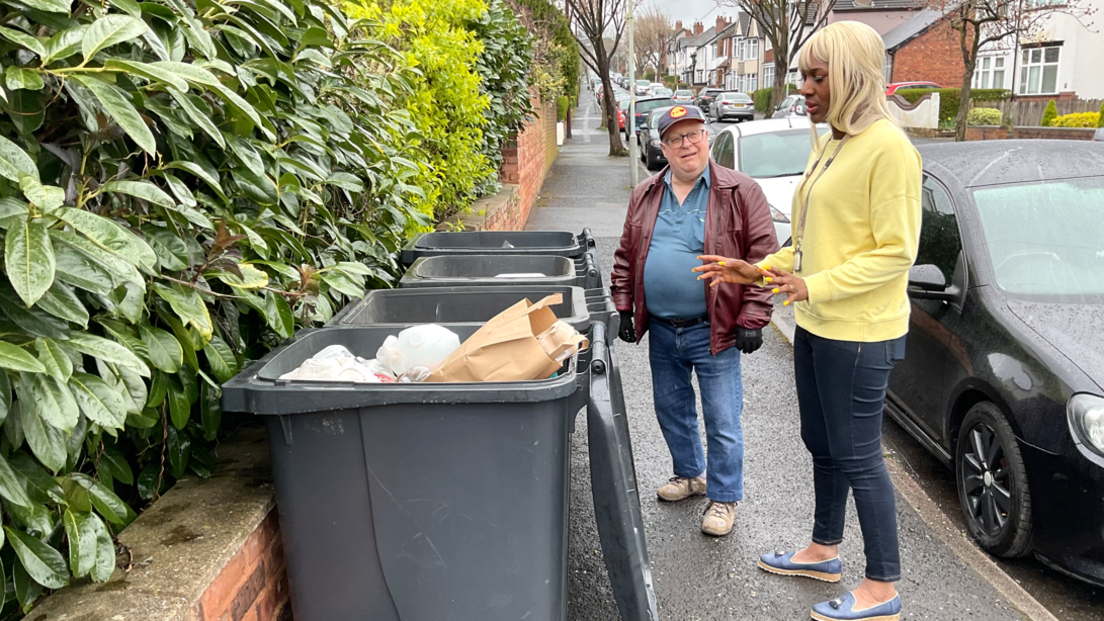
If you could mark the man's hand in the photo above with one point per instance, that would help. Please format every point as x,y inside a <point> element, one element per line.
<point>627,332</point>
<point>748,341</point>
<point>734,271</point>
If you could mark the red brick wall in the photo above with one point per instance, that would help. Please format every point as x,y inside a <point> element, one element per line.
<point>253,586</point>
<point>527,160</point>
<point>933,56</point>
<point>1029,133</point>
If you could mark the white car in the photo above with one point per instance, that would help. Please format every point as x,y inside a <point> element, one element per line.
<point>684,96</point>
<point>775,153</point>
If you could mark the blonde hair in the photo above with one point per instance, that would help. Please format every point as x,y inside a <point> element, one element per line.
<point>855,54</point>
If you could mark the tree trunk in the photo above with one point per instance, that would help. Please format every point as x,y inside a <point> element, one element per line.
<point>609,109</point>
<point>969,62</point>
<point>778,89</point>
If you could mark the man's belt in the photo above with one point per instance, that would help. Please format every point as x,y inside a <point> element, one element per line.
<point>683,323</point>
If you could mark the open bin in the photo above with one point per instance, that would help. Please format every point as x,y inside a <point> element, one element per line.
<point>556,243</point>
<point>502,270</point>
<point>417,501</point>
<point>472,305</point>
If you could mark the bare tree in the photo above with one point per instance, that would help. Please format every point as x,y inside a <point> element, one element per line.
<point>653,29</point>
<point>984,22</point>
<point>787,25</point>
<point>596,20</point>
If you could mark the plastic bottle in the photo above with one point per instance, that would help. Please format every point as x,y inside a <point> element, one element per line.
<point>420,346</point>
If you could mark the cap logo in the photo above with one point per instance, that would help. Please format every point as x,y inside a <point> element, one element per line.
<point>678,111</point>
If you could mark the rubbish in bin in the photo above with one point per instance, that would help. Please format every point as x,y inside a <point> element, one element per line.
<point>337,364</point>
<point>507,244</point>
<point>522,275</point>
<point>424,345</point>
<point>523,342</point>
<point>415,375</point>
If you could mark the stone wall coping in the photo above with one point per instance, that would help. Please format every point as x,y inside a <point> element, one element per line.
<point>482,210</point>
<point>180,544</point>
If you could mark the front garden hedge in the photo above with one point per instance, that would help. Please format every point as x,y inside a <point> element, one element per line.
<point>949,98</point>
<point>181,187</point>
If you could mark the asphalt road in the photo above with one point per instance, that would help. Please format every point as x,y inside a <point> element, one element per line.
<point>698,577</point>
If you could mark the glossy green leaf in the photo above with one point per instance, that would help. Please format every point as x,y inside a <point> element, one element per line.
<point>108,31</point>
<point>50,6</point>
<point>197,116</point>
<point>63,44</point>
<point>14,161</point>
<point>107,350</point>
<point>113,458</point>
<point>41,487</point>
<point>118,266</point>
<point>221,359</point>
<point>13,425</point>
<point>77,269</point>
<point>151,481</point>
<point>5,396</point>
<point>24,39</point>
<point>82,542</point>
<point>17,359</point>
<point>140,189</point>
<point>148,71</point>
<point>27,591</point>
<point>54,359</point>
<point>16,78</point>
<point>76,495</point>
<point>46,197</point>
<point>10,487</point>
<point>210,410</point>
<point>110,234</point>
<point>278,313</point>
<point>54,403</point>
<point>119,107</point>
<point>105,551</point>
<point>158,387</point>
<point>60,301</point>
<point>99,402</point>
<point>188,306</point>
<point>42,563</point>
<point>46,441</point>
<point>179,447</point>
<point>107,504</point>
<point>32,320</point>
<point>29,260</point>
<point>164,350</point>
<point>180,407</point>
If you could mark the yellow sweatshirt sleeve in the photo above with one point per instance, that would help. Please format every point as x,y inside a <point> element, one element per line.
<point>782,260</point>
<point>895,225</point>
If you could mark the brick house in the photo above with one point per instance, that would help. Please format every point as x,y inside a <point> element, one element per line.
<point>924,48</point>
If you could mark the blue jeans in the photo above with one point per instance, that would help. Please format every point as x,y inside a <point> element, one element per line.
<point>841,389</point>
<point>675,353</point>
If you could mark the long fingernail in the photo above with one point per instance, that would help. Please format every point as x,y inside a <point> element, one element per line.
<point>775,290</point>
<point>766,267</point>
<point>786,303</point>
<point>721,263</point>
<point>767,279</point>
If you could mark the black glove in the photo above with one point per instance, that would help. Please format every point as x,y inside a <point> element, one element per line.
<point>748,341</point>
<point>627,332</point>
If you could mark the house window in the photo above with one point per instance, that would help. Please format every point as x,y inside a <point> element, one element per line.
<point>768,75</point>
<point>753,49</point>
<point>743,50</point>
<point>753,83</point>
<point>990,72</point>
<point>1039,74</point>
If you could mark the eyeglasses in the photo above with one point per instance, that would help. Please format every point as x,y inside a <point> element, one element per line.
<point>676,142</point>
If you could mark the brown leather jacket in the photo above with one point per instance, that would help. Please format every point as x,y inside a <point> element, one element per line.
<point>738,225</point>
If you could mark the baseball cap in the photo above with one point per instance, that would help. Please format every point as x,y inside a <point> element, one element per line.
<point>676,114</point>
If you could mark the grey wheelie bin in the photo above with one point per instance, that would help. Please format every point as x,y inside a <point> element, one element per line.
<point>557,243</point>
<point>472,305</point>
<point>407,502</point>
<point>503,270</point>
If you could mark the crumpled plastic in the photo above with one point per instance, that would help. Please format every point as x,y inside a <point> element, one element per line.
<point>424,345</point>
<point>337,364</point>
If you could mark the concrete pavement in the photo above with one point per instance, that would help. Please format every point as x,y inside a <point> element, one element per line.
<point>698,577</point>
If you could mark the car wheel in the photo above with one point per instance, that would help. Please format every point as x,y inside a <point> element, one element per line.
<point>649,161</point>
<point>992,482</point>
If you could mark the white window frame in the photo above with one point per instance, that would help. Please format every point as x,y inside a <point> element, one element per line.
<point>753,83</point>
<point>753,49</point>
<point>887,68</point>
<point>987,71</point>
<point>1029,61</point>
<point>768,75</point>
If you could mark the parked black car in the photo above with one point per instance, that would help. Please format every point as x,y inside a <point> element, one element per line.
<point>648,140</point>
<point>706,97</point>
<point>1003,378</point>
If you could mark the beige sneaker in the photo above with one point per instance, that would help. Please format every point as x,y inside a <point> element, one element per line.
<point>681,488</point>
<point>718,518</point>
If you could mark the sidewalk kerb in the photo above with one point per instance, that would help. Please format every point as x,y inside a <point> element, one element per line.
<point>957,541</point>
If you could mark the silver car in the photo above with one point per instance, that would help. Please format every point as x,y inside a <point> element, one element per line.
<point>794,105</point>
<point>732,105</point>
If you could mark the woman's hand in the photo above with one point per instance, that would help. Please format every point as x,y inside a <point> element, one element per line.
<point>785,282</point>
<point>734,271</point>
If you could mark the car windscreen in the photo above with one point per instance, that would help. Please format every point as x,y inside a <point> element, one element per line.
<point>1045,239</point>
<point>651,104</point>
<point>775,154</point>
<point>683,93</point>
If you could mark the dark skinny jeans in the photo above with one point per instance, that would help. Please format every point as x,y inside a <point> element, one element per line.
<point>841,388</point>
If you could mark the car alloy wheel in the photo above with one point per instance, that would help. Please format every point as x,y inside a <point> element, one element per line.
<point>992,482</point>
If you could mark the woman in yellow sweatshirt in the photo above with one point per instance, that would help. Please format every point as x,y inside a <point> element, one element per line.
<point>857,226</point>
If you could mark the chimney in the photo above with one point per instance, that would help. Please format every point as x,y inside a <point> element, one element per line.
<point>698,28</point>
<point>678,26</point>
<point>721,23</point>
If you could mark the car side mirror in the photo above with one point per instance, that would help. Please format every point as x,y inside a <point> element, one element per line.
<point>927,282</point>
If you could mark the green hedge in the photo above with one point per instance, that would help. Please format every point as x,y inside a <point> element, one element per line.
<point>984,116</point>
<point>1049,114</point>
<point>671,81</point>
<point>561,108</point>
<point>762,99</point>
<point>949,98</point>
<point>180,190</point>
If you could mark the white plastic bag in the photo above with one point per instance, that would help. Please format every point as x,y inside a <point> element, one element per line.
<point>337,364</point>
<point>419,346</point>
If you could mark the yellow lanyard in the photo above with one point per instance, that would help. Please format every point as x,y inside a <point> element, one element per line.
<point>799,231</point>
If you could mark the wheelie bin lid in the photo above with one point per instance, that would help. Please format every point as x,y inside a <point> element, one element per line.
<point>461,305</point>
<point>259,390</point>
<point>493,270</point>
<point>560,243</point>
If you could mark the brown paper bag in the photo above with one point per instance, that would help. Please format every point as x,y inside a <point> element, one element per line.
<point>523,342</point>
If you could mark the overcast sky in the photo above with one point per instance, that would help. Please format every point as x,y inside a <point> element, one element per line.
<point>690,11</point>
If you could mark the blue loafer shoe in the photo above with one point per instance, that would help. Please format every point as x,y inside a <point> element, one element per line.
<point>782,563</point>
<point>843,609</point>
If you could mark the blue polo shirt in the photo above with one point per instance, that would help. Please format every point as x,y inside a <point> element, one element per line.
<point>671,289</point>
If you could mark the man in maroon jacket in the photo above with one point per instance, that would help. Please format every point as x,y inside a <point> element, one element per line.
<point>695,207</point>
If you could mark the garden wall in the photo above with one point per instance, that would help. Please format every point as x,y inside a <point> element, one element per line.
<point>1033,133</point>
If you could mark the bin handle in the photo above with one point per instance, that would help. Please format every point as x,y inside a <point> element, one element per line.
<point>614,491</point>
<point>588,239</point>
